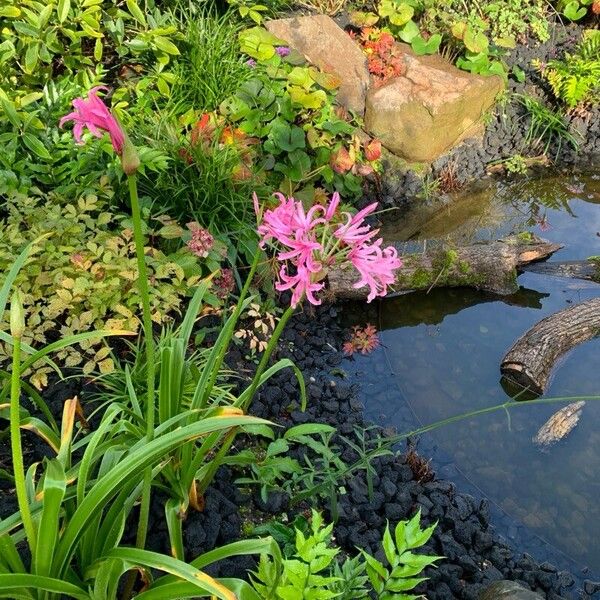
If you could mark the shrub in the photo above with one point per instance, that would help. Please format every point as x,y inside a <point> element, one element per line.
<point>314,570</point>
<point>83,275</point>
<point>305,142</point>
<point>44,42</point>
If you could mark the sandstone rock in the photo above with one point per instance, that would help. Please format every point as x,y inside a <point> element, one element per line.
<point>430,108</point>
<point>508,590</point>
<point>330,48</point>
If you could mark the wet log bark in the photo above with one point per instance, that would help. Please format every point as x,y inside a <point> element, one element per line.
<point>530,361</point>
<point>575,269</point>
<point>488,266</point>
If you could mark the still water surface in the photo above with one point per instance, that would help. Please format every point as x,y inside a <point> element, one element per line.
<point>441,352</point>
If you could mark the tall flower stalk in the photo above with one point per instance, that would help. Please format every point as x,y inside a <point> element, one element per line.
<point>309,243</point>
<point>138,237</point>
<point>91,113</point>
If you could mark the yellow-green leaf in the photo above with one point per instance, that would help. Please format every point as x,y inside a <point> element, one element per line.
<point>31,58</point>
<point>64,6</point>
<point>165,45</point>
<point>98,49</point>
<point>11,12</point>
<point>136,12</point>
<point>106,366</point>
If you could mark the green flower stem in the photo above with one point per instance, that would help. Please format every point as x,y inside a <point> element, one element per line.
<point>224,449</point>
<point>15,443</point>
<point>138,236</point>
<point>264,361</point>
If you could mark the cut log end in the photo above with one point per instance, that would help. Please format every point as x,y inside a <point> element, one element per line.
<point>519,380</point>
<point>530,361</point>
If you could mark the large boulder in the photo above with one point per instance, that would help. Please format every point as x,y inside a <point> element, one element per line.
<point>430,108</point>
<point>508,590</point>
<point>330,48</point>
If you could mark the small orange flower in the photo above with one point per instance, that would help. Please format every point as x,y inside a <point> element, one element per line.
<point>341,161</point>
<point>373,150</point>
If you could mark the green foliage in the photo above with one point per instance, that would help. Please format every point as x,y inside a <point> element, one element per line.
<point>351,581</point>
<point>44,41</point>
<point>210,68</point>
<point>288,108</point>
<point>575,79</point>
<point>79,512</point>
<point>284,535</point>
<point>322,473</point>
<point>188,390</point>
<point>83,276</point>
<point>546,126</point>
<point>315,571</point>
<point>201,180</point>
<point>515,165</point>
<point>404,566</point>
<point>52,53</point>
<point>574,10</point>
<point>306,574</point>
<point>485,22</point>
<point>474,33</point>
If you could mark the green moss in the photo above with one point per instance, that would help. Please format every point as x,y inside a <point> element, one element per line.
<point>464,267</point>
<point>525,236</point>
<point>450,257</point>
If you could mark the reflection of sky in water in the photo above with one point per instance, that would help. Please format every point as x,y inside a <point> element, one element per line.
<point>444,351</point>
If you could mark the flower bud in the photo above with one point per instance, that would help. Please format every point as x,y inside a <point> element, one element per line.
<point>17,316</point>
<point>130,161</point>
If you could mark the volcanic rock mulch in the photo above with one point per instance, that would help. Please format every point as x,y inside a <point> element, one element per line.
<point>505,133</point>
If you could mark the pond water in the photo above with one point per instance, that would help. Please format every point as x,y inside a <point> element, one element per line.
<point>441,352</point>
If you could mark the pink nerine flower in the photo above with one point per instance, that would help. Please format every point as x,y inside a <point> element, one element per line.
<point>355,230</point>
<point>93,114</point>
<point>309,242</point>
<point>376,266</point>
<point>301,284</point>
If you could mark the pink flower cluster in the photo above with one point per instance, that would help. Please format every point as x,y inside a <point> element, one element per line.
<point>308,243</point>
<point>224,284</point>
<point>201,241</point>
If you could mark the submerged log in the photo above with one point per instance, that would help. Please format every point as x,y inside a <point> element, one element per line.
<point>529,363</point>
<point>575,269</point>
<point>488,266</point>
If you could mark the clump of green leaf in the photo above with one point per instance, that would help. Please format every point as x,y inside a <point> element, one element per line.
<point>52,53</point>
<point>306,574</point>
<point>351,581</point>
<point>322,472</point>
<point>288,107</point>
<point>575,79</point>
<point>44,41</point>
<point>83,274</point>
<point>313,567</point>
<point>403,565</point>
<point>546,126</point>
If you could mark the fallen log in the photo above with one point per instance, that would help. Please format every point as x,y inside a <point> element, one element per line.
<point>488,266</point>
<point>530,361</point>
<point>575,269</point>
